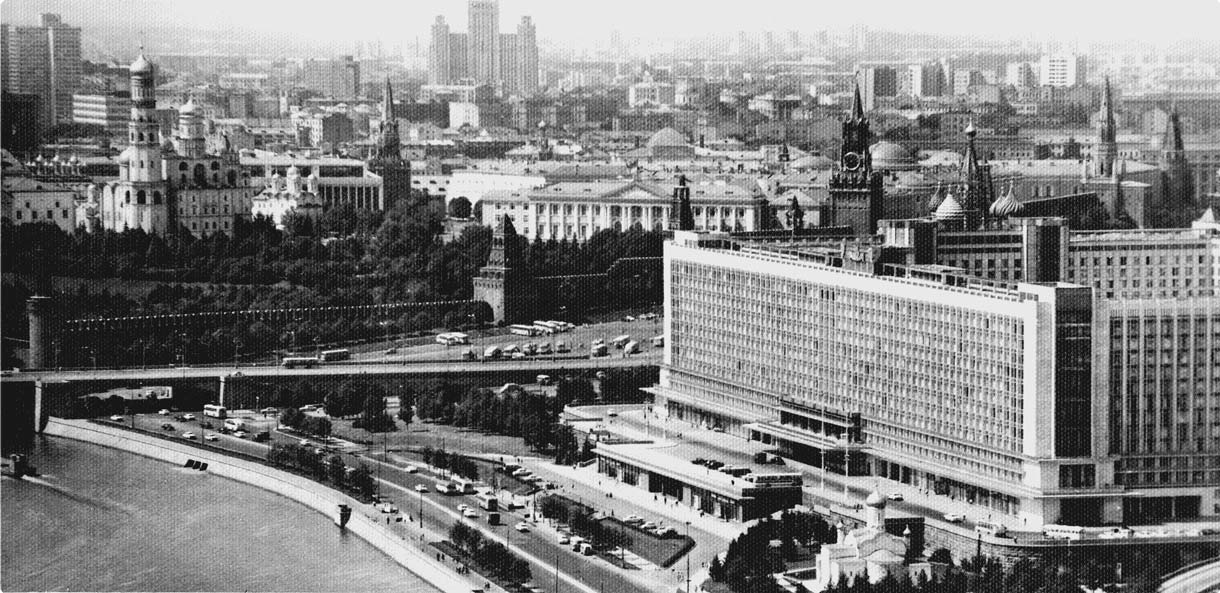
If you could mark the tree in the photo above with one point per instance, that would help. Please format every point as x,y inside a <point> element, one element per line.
<point>716,569</point>
<point>337,470</point>
<point>374,417</point>
<point>362,480</point>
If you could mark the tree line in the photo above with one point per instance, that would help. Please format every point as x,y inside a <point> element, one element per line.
<point>454,462</point>
<point>490,557</point>
<point>349,257</point>
<point>580,519</point>
<point>308,461</point>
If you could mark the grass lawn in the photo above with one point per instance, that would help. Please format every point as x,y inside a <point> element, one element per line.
<point>438,436</point>
<point>662,551</point>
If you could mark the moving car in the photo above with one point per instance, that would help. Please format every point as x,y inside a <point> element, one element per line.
<point>188,417</point>
<point>630,519</point>
<point>522,527</point>
<point>116,418</point>
<point>421,488</point>
<point>954,517</point>
<point>210,437</point>
<point>241,434</point>
<point>188,435</point>
<point>470,513</point>
<point>163,412</point>
<point>167,426</point>
<point>410,469</point>
<point>563,539</point>
<point>895,496</point>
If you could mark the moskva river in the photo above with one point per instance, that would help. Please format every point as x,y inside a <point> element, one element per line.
<point>105,520</point>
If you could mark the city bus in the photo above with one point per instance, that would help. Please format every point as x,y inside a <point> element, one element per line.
<point>452,338</point>
<point>775,480</point>
<point>292,362</point>
<point>546,326</point>
<point>215,411</point>
<point>334,355</point>
<point>1068,532</point>
<point>488,502</point>
<point>523,330</point>
<point>991,528</point>
<point>620,341</point>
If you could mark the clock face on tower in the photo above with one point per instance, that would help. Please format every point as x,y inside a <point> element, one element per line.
<point>851,161</point>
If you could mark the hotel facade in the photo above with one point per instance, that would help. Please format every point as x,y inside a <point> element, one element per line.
<point>1038,399</point>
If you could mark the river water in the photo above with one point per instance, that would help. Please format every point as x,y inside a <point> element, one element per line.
<point>105,520</point>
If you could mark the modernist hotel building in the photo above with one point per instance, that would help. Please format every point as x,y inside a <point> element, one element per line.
<point>1052,375</point>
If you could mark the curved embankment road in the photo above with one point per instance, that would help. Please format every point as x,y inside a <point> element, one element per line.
<point>309,493</point>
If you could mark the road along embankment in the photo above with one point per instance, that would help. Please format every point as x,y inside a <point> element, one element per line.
<point>311,494</point>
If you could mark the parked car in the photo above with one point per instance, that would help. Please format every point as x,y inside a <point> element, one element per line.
<point>410,469</point>
<point>470,513</point>
<point>564,539</point>
<point>163,412</point>
<point>241,434</point>
<point>188,417</point>
<point>631,519</point>
<point>522,527</point>
<point>628,318</point>
<point>647,525</point>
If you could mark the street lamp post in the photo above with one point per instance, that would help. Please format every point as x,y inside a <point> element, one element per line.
<point>846,467</point>
<point>688,559</point>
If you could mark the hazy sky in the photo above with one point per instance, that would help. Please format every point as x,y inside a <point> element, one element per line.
<point>581,21</point>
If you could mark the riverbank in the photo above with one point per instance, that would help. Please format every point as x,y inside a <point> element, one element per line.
<point>308,493</point>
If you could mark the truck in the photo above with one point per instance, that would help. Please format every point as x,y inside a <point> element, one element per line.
<point>491,353</point>
<point>598,350</point>
<point>493,519</point>
<point>631,347</point>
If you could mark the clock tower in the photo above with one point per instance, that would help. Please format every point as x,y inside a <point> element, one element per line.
<point>855,189</point>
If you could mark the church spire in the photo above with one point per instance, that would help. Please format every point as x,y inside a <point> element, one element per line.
<point>1107,132</point>
<point>857,105</point>
<point>1107,147</point>
<point>1173,133</point>
<point>390,146</point>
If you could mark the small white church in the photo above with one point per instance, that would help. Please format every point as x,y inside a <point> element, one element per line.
<point>865,552</point>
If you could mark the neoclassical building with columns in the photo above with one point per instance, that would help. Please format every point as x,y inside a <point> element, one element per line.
<point>576,210</point>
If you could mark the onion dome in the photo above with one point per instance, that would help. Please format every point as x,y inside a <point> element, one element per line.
<point>141,66</point>
<point>124,157</point>
<point>949,210</point>
<point>875,500</point>
<point>1007,205</point>
<point>936,198</point>
<point>39,159</point>
<point>188,108</point>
